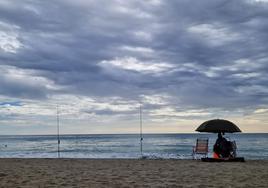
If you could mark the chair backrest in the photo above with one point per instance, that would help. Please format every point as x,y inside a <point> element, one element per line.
<point>233,149</point>
<point>201,146</point>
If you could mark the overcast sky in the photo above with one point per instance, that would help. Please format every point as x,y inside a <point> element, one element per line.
<point>184,61</point>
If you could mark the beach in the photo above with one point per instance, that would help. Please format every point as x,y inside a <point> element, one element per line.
<point>131,173</point>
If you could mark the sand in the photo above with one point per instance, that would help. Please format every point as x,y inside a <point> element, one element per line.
<point>130,173</point>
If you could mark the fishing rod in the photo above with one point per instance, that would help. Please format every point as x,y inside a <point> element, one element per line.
<point>141,136</point>
<point>58,131</point>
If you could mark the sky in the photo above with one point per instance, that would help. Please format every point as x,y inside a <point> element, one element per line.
<point>182,61</point>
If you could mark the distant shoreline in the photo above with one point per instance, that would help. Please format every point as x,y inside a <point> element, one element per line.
<point>125,134</point>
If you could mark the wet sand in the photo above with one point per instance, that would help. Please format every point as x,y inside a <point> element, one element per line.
<point>130,173</point>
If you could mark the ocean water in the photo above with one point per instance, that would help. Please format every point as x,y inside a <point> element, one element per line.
<point>167,146</point>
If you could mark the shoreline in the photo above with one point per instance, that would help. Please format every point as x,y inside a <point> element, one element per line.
<point>70,172</point>
<point>145,159</point>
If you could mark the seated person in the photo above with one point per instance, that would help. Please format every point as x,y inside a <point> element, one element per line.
<point>222,147</point>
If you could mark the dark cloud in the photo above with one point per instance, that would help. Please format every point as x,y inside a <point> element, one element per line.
<point>217,50</point>
<point>20,89</point>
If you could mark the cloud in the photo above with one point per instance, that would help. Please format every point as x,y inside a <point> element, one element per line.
<point>9,38</point>
<point>180,61</point>
<point>11,103</point>
<point>261,110</point>
<point>215,35</point>
<point>170,112</point>
<point>132,64</point>
<point>137,49</point>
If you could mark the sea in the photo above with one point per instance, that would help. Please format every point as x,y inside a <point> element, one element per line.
<point>127,146</point>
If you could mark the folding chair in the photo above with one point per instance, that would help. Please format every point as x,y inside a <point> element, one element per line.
<point>201,147</point>
<point>233,149</point>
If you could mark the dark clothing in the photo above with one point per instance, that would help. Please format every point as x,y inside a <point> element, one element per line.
<point>222,147</point>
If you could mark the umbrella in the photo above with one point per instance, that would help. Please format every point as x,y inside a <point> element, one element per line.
<point>217,126</point>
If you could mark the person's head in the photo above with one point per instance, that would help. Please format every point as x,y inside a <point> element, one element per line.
<point>219,135</point>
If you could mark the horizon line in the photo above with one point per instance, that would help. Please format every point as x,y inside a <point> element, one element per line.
<point>122,134</point>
